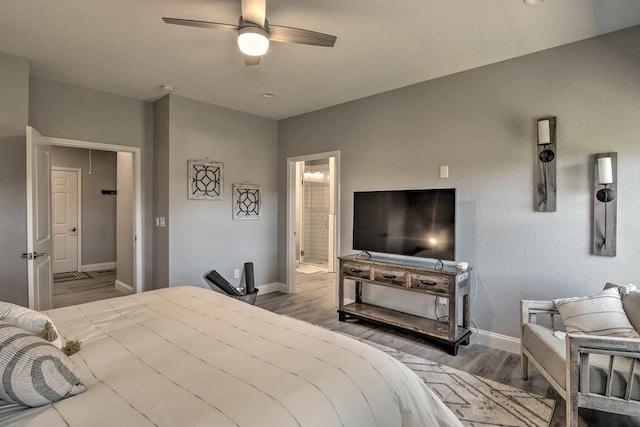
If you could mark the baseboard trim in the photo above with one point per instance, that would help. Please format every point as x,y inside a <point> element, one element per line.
<point>499,341</point>
<point>268,288</point>
<point>123,287</point>
<point>100,266</point>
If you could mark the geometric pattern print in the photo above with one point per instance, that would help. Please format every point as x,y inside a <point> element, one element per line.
<point>477,401</point>
<point>34,372</point>
<point>247,203</point>
<point>205,180</point>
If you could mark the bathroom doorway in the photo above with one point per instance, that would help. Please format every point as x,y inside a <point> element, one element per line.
<point>312,220</point>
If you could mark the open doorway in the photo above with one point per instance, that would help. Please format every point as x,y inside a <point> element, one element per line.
<point>92,224</point>
<point>312,221</point>
<point>58,210</point>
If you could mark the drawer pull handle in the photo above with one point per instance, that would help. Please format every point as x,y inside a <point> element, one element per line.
<point>356,270</point>
<point>426,282</point>
<point>388,276</point>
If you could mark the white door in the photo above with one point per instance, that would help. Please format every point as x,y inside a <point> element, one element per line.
<point>64,203</point>
<point>39,220</point>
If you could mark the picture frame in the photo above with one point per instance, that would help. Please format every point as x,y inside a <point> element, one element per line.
<point>247,201</point>
<point>205,180</point>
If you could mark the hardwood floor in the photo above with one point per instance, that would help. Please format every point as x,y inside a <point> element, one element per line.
<point>100,286</point>
<point>314,302</point>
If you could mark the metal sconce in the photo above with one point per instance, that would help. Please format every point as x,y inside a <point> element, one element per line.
<point>605,204</point>
<point>545,199</point>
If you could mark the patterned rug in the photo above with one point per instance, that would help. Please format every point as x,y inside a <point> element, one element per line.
<point>69,276</point>
<point>477,401</point>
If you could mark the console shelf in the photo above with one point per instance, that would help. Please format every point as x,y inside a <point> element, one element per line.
<point>409,277</point>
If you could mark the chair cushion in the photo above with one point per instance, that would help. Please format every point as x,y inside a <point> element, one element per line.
<point>600,314</point>
<point>631,305</point>
<point>550,351</point>
<point>545,348</point>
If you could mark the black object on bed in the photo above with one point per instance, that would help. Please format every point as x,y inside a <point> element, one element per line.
<point>215,278</point>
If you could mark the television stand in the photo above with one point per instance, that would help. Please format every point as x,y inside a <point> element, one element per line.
<point>408,276</point>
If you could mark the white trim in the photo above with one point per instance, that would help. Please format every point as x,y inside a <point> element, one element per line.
<point>268,288</point>
<point>123,287</point>
<point>499,341</point>
<point>99,266</point>
<point>78,171</point>
<point>138,281</point>
<point>291,223</point>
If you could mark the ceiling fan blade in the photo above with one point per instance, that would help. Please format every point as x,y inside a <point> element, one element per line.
<point>254,11</point>
<point>201,24</point>
<point>280,33</point>
<point>251,60</point>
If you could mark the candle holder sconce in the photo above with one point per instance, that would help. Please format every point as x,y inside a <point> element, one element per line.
<point>545,196</point>
<point>605,204</point>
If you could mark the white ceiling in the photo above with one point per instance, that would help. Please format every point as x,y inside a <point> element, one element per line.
<point>123,47</point>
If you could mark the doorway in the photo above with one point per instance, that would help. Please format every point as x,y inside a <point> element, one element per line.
<point>312,221</point>
<point>41,181</point>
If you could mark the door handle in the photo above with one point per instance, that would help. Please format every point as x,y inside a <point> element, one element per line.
<point>32,255</point>
<point>74,229</point>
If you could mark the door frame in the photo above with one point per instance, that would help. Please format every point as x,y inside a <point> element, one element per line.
<point>139,235</point>
<point>291,213</point>
<point>78,171</point>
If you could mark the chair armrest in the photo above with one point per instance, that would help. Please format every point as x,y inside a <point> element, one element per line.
<point>529,309</point>
<point>580,347</point>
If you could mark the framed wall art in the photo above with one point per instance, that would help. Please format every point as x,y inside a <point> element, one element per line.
<point>205,180</point>
<point>247,201</point>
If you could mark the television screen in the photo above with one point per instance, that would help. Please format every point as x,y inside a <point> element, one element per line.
<point>419,223</point>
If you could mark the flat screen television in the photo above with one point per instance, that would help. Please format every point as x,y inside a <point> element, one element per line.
<point>418,223</point>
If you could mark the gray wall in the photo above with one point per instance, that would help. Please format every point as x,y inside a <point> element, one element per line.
<point>98,210</point>
<point>482,124</point>
<point>161,191</point>
<point>14,95</point>
<point>125,227</point>
<point>14,101</point>
<point>67,111</point>
<point>202,234</point>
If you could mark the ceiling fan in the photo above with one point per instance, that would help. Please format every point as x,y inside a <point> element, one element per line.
<point>255,32</point>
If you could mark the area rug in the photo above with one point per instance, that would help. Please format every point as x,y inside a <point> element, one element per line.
<point>71,275</point>
<point>477,401</point>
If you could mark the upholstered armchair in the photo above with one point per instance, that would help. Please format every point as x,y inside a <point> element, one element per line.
<point>588,371</point>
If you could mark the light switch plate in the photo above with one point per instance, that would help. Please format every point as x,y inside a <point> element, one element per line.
<point>444,171</point>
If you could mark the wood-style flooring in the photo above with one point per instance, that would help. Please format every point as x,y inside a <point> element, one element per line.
<point>314,302</point>
<point>100,286</point>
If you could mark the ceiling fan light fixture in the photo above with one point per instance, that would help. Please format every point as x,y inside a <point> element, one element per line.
<point>253,41</point>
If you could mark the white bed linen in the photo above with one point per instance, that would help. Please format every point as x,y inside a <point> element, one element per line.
<point>188,356</point>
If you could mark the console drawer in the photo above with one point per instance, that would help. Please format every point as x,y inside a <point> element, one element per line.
<point>390,277</point>
<point>356,270</point>
<point>432,283</point>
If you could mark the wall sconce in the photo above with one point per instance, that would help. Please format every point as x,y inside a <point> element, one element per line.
<point>545,197</point>
<point>605,204</point>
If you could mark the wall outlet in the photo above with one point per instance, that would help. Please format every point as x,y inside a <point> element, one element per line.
<point>442,301</point>
<point>163,221</point>
<point>236,273</point>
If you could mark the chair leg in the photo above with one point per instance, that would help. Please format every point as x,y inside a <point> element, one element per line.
<point>525,366</point>
<point>571,410</point>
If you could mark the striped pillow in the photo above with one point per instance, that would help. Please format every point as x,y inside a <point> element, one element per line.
<point>30,320</point>
<point>601,314</point>
<point>34,372</point>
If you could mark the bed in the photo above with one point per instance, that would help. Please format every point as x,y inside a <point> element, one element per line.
<point>188,356</point>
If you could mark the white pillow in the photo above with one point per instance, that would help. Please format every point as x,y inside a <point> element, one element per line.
<point>600,314</point>
<point>27,319</point>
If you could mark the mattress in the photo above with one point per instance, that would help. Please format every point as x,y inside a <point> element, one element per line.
<point>188,356</point>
